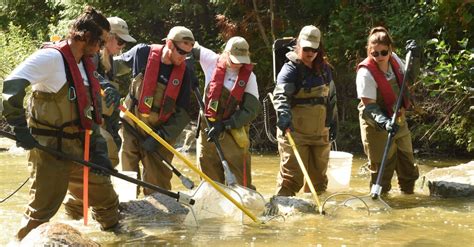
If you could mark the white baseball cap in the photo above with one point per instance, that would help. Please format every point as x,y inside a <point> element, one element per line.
<point>120,28</point>
<point>238,49</point>
<point>310,36</point>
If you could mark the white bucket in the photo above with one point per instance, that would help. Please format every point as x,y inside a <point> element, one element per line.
<point>126,191</point>
<point>339,171</point>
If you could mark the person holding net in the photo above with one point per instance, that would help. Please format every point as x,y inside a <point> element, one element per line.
<point>379,79</point>
<point>159,95</point>
<point>304,99</point>
<point>231,103</point>
<point>117,39</point>
<point>64,111</point>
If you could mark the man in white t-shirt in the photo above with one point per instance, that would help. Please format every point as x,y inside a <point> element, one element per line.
<point>231,103</point>
<point>63,107</point>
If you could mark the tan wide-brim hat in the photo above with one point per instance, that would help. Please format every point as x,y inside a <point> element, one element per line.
<point>238,49</point>
<point>119,27</point>
<point>310,36</point>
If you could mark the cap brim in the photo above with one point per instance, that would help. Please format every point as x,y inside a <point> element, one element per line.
<point>127,38</point>
<point>307,43</point>
<point>240,59</point>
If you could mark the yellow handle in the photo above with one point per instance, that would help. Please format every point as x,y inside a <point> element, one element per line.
<point>149,131</point>
<point>303,169</point>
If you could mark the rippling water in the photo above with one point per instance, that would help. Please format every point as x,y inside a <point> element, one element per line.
<point>415,220</point>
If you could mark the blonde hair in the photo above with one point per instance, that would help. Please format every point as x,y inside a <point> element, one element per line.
<point>378,36</point>
<point>104,56</point>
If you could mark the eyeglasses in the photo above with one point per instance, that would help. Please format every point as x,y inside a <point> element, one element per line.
<point>383,53</point>
<point>179,50</point>
<point>310,49</point>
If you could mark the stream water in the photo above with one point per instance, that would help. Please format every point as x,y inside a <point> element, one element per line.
<point>415,219</point>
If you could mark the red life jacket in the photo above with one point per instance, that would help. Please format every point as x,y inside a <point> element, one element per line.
<point>215,89</point>
<point>87,112</point>
<point>150,80</point>
<point>386,90</point>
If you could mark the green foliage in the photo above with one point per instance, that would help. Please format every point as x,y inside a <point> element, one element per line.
<point>443,27</point>
<point>33,15</point>
<point>16,44</point>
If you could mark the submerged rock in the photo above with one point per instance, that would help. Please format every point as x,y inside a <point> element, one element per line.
<point>56,234</point>
<point>154,204</point>
<point>455,181</point>
<point>287,206</point>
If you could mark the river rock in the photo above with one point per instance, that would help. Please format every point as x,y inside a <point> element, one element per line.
<point>454,181</point>
<point>56,234</point>
<point>289,205</point>
<point>164,206</point>
<point>152,205</point>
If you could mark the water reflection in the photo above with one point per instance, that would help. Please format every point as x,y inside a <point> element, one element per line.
<point>415,219</point>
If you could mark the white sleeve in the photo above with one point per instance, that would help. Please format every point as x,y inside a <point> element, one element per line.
<point>366,85</point>
<point>44,69</point>
<point>252,87</point>
<point>207,58</point>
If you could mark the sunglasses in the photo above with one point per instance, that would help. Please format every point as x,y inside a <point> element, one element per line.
<point>179,50</point>
<point>309,49</point>
<point>383,53</point>
<point>120,41</point>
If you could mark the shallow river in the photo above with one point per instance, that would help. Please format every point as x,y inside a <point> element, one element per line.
<point>415,220</point>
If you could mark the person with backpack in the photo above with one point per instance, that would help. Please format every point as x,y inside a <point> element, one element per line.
<point>304,99</point>
<point>231,103</point>
<point>64,108</point>
<point>379,79</point>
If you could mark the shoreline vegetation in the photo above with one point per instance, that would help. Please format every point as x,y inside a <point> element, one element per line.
<point>442,121</point>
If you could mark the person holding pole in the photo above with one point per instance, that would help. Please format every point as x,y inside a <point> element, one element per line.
<point>117,39</point>
<point>379,79</point>
<point>159,95</point>
<point>231,103</point>
<point>64,111</point>
<point>304,99</point>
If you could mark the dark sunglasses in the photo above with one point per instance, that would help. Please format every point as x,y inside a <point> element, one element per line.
<point>376,53</point>
<point>179,50</point>
<point>120,41</point>
<point>309,49</point>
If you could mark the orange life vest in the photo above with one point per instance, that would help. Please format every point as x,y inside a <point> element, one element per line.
<point>88,111</point>
<point>385,89</point>
<point>168,104</point>
<point>215,89</point>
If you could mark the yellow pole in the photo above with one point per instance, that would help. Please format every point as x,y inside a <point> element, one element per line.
<point>303,169</point>
<point>149,131</point>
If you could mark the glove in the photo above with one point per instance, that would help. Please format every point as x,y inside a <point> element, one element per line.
<point>24,138</point>
<point>373,113</point>
<point>411,46</point>
<point>112,96</point>
<point>284,122</point>
<point>101,159</point>
<point>216,130</point>
<point>391,128</point>
<point>150,144</point>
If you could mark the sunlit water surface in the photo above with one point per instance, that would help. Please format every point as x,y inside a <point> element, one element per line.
<point>415,220</point>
